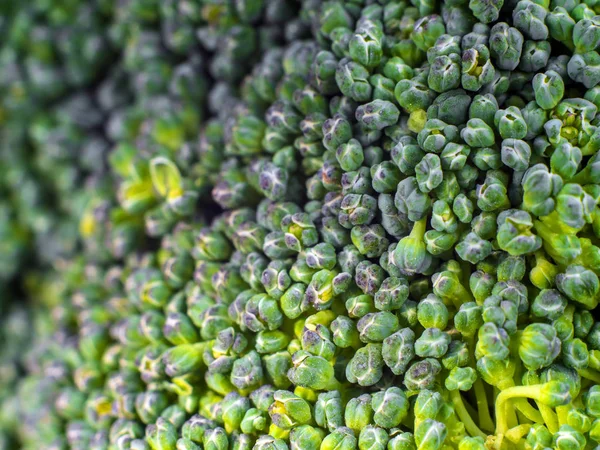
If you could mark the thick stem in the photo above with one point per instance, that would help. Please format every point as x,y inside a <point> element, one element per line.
<point>504,414</point>
<point>464,415</point>
<point>507,394</point>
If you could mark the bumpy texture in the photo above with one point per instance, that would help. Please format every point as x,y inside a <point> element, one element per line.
<point>299,224</point>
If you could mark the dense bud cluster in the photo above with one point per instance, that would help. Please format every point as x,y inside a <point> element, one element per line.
<point>300,224</point>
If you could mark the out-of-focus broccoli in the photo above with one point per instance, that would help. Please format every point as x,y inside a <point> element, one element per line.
<point>300,224</point>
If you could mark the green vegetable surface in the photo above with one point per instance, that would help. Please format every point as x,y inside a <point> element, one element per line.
<point>299,225</point>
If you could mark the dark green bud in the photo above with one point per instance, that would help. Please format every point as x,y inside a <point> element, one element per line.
<point>365,368</point>
<point>421,374</point>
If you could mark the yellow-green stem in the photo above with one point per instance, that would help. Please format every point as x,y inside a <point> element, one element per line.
<point>464,415</point>
<point>501,403</point>
<point>511,416</point>
<point>516,434</point>
<point>550,418</point>
<point>590,374</point>
<point>562,413</point>
<point>419,228</point>
<point>522,419</point>
<point>522,405</point>
<point>483,408</point>
<point>529,411</point>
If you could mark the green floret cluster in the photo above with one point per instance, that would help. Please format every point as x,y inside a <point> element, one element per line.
<point>300,225</point>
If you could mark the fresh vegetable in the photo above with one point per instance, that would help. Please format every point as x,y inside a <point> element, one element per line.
<point>300,224</point>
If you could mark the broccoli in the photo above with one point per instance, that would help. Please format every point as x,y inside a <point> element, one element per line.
<point>299,224</point>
